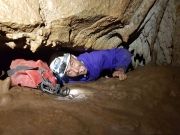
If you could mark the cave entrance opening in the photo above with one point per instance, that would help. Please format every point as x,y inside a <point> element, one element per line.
<point>7,55</point>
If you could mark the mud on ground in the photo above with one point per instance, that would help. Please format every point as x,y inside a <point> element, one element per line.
<point>148,102</point>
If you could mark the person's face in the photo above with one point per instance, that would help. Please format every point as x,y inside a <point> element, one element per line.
<point>75,68</point>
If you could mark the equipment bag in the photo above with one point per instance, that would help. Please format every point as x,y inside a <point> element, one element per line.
<point>35,74</point>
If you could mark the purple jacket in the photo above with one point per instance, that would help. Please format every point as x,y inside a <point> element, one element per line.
<point>98,61</point>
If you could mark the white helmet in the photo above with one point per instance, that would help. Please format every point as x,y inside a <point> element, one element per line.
<point>59,64</point>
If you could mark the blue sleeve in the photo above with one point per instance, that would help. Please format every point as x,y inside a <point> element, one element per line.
<point>122,58</point>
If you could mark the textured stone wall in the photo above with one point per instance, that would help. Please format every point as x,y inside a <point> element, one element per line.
<point>146,27</point>
<point>176,50</point>
<point>155,39</point>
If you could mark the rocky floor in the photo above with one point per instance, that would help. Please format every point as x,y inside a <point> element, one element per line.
<point>148,102</point>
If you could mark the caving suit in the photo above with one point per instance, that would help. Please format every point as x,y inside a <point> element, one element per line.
<point>104,60</point>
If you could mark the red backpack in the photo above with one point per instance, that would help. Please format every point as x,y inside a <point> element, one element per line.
<point>34,74</point>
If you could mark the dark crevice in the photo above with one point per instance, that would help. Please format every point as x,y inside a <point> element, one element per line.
<point>8,54</point>
<point>45,54</point>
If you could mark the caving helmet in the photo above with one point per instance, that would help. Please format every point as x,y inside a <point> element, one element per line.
<point>59,65</point>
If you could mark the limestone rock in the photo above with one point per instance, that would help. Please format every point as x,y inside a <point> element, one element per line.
<point>176,49</point>
<point>140,25</point>
<point>19,14</point>
<point>155,39</point>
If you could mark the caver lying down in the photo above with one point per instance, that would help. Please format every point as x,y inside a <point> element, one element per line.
<point>85,67</point>
<point>89,66</point>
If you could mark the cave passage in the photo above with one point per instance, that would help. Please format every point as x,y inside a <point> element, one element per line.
<point>7,55</point>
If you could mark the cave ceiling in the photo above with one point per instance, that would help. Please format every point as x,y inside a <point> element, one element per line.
<point>139,25</point>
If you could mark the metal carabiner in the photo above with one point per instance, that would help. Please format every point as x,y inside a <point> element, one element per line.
<point>64,91</point>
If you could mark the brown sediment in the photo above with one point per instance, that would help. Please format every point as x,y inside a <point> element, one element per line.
<point>147,102</point>
<point>5,96</point>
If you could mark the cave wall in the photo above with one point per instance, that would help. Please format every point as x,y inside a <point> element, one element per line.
<point>176,50</point>
<point>145,27</point>
<point>155,39</point>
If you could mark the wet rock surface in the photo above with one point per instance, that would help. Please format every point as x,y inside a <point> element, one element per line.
<point>147,102</point>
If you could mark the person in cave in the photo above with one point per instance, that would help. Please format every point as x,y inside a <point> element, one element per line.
<point>89,66</point>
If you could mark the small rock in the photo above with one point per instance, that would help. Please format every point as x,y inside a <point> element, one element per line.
<point>5,99</point>
<point>5,85</point>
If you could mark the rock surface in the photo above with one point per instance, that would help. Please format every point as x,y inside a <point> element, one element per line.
<point>176,50</point>
<point>144,26</point>
<point>147,103</point>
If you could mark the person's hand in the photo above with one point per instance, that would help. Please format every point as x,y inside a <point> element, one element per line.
<point>120,74</point>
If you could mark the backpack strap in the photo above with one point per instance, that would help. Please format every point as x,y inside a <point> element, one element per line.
<point>19,68</point>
